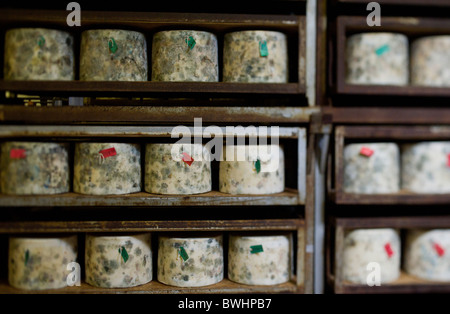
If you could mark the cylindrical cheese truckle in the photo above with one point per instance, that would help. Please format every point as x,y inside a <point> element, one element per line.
<point>377,58</point>
<point>371,255</point>
<point>259,259</point>
<point>118,261</point>
<point>190,260</point>
<point>113,55</point>
<point>34,168</point>
<point>427,254</point>
<point>430,61</point>
<point>41,262</point>
<point>38,54</point>
<point>255,56</point>
<point>426,167</point>
<point>185,55</point>
<point>252,169</point>
<point>371,168</point>
<point>107,168</point>
<point>177,169</point>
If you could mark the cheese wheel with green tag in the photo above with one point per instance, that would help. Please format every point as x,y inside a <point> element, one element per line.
<point>118,261</point>
<point>190,261</point>
<point>259,259</point>
<point>107,168</point>
<point>371,255</point>
<point>38,54</point>
<point>113,55</point>
<point>31,168</point>
<point>41,262</point>
<point>255,56</point>
<point>185,55</point>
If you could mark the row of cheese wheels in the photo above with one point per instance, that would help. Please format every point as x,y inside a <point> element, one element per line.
<point>383,168</point>
<point>385,58</point>
<point>115,168</point>
<point>126,260</point>
<point>372,255</point>
<point>121,55</point>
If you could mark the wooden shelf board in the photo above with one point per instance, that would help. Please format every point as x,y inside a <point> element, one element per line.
<point>400,198</point>
<point>438,3</point>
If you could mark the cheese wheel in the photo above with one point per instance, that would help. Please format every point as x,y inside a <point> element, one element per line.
<point>107,168</point>
<point>427,254</point>
<point>430,61</point>
<point>34,168</point>
<point>190,261</point>
<point>377,58</point>
<point>375,174</point>
<point>185,55</point>
<point>113,55</point>
<point>40,262</point>
<point>362,247</point>
<point>255,56</point>
<point>259,259</point>
<point>38,54</point>
<point>118,261</point>
<point>177,169</point>
<point>426,167</point>
<point>252,169</point>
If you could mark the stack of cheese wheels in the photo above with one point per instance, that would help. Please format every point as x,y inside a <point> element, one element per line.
<point>118,261</point>
<point>113,55</point>
<point>371,168</point>
<point>34,168</point>
<point>430,61</point>
<point>38,54</point>
<point>427,254</point>
<point>377,58</point>
<point>252,169</point>
<point>426,167</point>
<point>255,56</point>
<point>41,262</point>
<point>363,248</point>
<point>259,259</point>
<point>177,169</point>
<point>190,260</point>
<point>185,55</point>
<point>107,168</point>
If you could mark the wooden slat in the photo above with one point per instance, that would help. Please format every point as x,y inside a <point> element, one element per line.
<point>395,222</point>
<point>437,3</point>
<point>400,198</point>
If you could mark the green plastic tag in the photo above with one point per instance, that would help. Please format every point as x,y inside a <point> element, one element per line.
<point>124,254</point>
<point>183,254</point>
<point>27,257</point>
<point>257,165</point>
<point>263,50</point>
<point>381,50</point>
<point>112,45</point>
<point>41,41</point>
<point>190,42</point>
<point>256,249</point>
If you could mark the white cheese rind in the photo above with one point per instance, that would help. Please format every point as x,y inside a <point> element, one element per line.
<point>167,173</point>
<point>119,174</point>
<point>238,173</point>
<point>244,62</point>
<point>113,55</point>
<point>425,167</point>
<point>43,170</point>
<point>377,174</point>
<point>40,263</point>
<point>430,61</point>
<point>365,246</point>
<point>204,265</point>
<point>423,259</point>
<point>175,57</point>
<point>38,54</point>
<point>106,265</point>
<point>270,267</point>
<point>377,58</point>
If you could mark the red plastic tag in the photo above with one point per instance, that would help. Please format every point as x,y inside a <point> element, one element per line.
<point>448,160</point>
<point>17,153</point>
<point>365,151</point>
<point>439,250</point>
<point>388,249</point>
<point>187,159</point>
<point>108,152</point>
